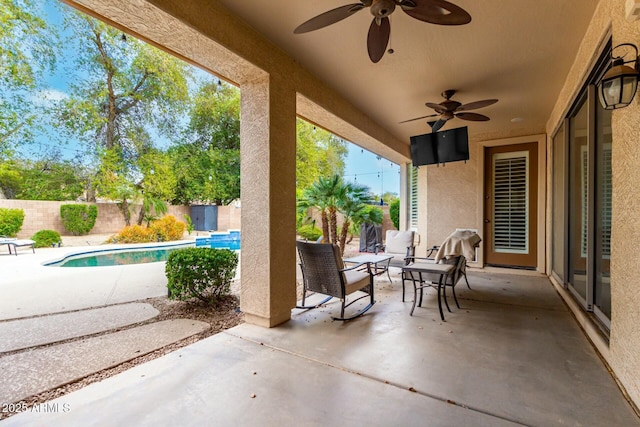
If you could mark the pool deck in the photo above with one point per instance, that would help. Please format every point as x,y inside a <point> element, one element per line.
<point>29,288</point>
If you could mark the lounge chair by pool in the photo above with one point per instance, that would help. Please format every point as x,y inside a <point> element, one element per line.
<point>17,243</point>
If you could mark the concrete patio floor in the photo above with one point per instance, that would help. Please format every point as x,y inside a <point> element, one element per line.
<point>512,355</point>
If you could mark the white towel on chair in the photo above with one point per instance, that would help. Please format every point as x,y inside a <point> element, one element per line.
<point>461,242</point>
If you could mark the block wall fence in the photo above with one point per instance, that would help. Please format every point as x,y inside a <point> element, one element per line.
<point>45,215</point>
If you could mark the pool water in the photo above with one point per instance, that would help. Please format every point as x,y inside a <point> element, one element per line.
<point>128,256</point>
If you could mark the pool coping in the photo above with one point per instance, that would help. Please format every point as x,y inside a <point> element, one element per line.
<point>128,247</point>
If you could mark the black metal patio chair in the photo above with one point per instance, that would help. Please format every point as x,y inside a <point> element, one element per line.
<point>423,280</point>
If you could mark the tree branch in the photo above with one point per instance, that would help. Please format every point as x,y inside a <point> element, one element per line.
<point>111,102</point>
<point>133,92</point>
<point>6,136</point>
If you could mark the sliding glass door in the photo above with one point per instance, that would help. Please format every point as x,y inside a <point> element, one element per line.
<point>578,199</point>
<point>581,218</point>
<point>602,214</point>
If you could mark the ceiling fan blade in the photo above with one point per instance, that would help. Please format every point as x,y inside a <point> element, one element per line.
<point>439,108</point>
<point>330,17</point>
<point>437,125</point>
<point>476,105</point>
<point>439,12</point>
<point>419,118</point>
<point>474,117</point>
<point>378,39</point>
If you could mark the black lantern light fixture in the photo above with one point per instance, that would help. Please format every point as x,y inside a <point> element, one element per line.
<point>619,84</point>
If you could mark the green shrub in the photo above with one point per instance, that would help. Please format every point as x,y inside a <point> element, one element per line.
<point>371,214</point>
<point>190,226</point>
<point>394,213</point>
<point>309,232</point>
<point>78,219</point>
<point>10,182</point>
<point>10,221</point>
<point>203,273</point>
<point>46,238</point>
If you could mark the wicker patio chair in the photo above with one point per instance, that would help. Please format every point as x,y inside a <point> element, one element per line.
<point>324,272</point>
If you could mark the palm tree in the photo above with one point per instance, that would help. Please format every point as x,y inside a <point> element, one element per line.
<point>330,195</point>
<point>351,202</point>
<point>336,192</point>
<point>370,214</point>
<point>151,204</point>
<point>319,196</point>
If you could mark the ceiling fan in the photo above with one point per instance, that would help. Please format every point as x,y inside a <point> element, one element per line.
<point>448,109</point>
<point>432,11</point>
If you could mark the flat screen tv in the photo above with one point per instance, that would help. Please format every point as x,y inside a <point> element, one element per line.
<point>453,145</point>
<point>424,150</point>
<point>440,147</point>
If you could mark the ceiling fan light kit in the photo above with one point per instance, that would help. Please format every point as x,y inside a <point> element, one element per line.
<point>439,12</point>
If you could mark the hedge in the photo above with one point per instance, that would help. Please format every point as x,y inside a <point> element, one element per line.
<point>78,219</point>
<point>202,273</point>
<point>394,213</point>
<point>10,221</point>
<point>46,238</point>
<point>309,232</point>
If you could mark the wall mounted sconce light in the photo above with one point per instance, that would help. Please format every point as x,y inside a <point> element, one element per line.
<point>619,84</point>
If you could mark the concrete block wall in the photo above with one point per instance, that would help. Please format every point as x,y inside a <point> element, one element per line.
<point>229,217</point>
<point>45,215</point>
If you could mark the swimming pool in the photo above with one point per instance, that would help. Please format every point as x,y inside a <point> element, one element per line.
<point>127,255</point>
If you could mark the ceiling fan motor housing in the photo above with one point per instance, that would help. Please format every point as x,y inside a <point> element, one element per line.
<point>450,105</point>
<point>382,8</point>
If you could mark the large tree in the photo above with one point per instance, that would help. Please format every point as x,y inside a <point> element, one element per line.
<point>51,178</point>
<point>126,92</point>
<point>207,162</point>
<point>126,95</point>
<point>318,154</point>
<point>28,47</point>
<point>48,177</point>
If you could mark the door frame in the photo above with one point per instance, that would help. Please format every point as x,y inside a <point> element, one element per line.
<point>512,259</point>
<point>541,139</point>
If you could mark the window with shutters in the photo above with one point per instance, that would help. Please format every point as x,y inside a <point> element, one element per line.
<point>584,197</point>
<point>606,207</point>
<point>511,202</point>
<point>413,197</point>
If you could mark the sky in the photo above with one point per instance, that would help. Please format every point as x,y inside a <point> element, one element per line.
<point>361,166</point>
<point>366,168</point>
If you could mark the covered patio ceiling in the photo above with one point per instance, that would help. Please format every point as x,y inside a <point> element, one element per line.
<point>519,52</point>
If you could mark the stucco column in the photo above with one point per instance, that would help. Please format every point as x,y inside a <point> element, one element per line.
<point>268,177</point>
